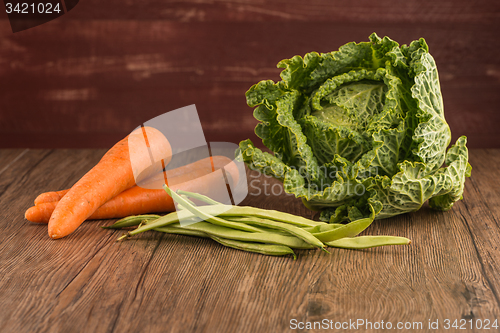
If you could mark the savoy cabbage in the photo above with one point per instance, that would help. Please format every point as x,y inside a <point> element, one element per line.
<point>359,132</point>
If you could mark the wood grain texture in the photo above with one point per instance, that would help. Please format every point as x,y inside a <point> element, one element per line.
<point>88,78</point>
<point>168,283</point>
<point>292,10</point>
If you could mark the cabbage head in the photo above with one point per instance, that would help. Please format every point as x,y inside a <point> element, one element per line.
<point>359,132</point>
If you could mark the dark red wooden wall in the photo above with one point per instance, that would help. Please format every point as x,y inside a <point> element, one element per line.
<point>91,76</point>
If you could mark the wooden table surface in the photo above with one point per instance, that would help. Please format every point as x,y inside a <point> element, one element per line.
<point>168,283</point>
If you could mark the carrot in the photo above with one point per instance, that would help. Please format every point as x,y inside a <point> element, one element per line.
<point>50,196</point>
<point>207,164</point>
<point>218,162</point>
<point>137,200</point>
<point>134,201</point>
<point>41,212</point>
<point>111,176</point>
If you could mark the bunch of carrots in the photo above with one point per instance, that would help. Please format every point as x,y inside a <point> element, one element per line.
<point>109,189</point>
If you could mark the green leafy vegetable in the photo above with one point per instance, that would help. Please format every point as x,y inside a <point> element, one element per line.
<point>359,131</point>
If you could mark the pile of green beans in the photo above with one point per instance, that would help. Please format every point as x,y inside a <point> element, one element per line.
<point>252,229</point>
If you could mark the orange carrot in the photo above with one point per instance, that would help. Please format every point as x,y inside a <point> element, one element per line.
<point>40,213</point>
<point>134,201</point>
<point>218,162</point>
<point>208,165</point>
<point>111,176</point>
<point>50,196</point>
<point>137,200</point>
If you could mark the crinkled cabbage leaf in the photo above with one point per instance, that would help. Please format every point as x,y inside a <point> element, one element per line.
<point>359,130</point>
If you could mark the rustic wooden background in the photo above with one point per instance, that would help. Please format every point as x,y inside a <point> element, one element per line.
<point>88,282</point>
<point>91,76</point>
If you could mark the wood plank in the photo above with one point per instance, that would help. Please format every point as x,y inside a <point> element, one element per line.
<point>16,164</point>
<point>114,74</point>
<point>481,215</point>
<point>159,283</point>
<point>36,269</point>
<point>486,181</point>
<point>424,11</point>
<point>439,276</point>
<point>9,156</point>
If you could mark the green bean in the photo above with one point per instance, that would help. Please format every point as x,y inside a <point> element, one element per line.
<point>167,221</point>
<point>349,230</point>
<point>227,210</point>
<point>187,199</point>
<point>323,227</point>
<point>174,217</point>
<point>272,215</point>
<point>252,229</point>
<point>295,231</point>
<point>200,197</point>
<point>159,222</point>
<point>270,230</point>
<point>131,221</point>
<point>181,231</point>
<point>364,242</point>
<point>267,249</point>
<point>291,229</point>
<point>182,215</point>
<point>257,237</point>
<point>224,211</point>
<point>207,217</point>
